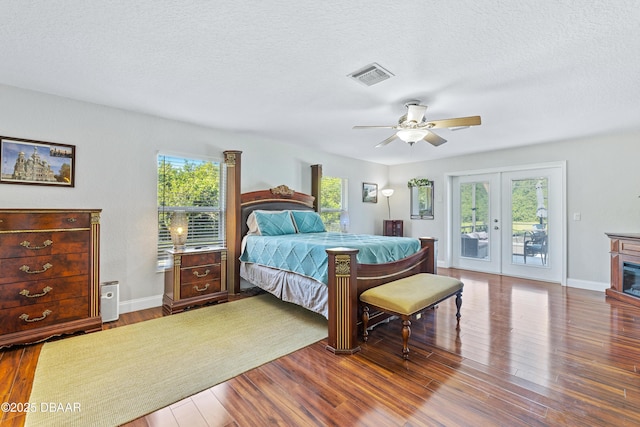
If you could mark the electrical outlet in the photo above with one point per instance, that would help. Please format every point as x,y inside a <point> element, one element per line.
<point>576,216</point>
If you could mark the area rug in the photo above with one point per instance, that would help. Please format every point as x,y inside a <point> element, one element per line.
<point>117,375</point>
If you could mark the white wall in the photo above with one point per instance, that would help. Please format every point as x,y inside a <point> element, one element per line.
<point>602,185</point>
<point>116,171</point>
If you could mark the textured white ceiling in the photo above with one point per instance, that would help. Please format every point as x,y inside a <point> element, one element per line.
<point>535,71</point>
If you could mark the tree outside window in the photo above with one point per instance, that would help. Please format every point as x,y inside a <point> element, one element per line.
<point>334,201</point>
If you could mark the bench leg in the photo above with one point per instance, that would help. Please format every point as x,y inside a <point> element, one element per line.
<point>458,303</point>
<point>365,323</point>
<point>406,333</point>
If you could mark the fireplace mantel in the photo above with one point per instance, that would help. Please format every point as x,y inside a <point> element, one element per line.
<point>625,249</point>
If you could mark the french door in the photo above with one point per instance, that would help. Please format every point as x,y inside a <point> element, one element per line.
<point>510,222</point>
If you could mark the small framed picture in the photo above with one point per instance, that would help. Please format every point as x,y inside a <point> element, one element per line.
<point>24,161</point>
<point>369,192</point>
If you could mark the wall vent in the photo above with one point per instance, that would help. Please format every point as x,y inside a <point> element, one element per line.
<point>370,74</point>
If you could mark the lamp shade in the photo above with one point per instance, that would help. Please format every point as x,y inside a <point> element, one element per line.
<point>412,135</point>
<point>178,228</point>
<point>387,192</point>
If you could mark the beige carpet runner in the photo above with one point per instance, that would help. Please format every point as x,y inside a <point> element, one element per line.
<point>110,377</point>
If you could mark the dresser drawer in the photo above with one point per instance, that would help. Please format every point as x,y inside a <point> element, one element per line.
<point>196,259</point>
<point>198,274</point>
<point>43,220</point>
<point>14,245</point>
<point>45,314</point>
<point>201,287</point>
<point>41,291</point>
<point>28,269</point>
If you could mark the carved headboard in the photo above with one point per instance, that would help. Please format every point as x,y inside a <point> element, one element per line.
<point>273,199</point>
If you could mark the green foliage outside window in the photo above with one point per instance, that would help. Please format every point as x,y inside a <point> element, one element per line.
<point>524,203</point>
<point>481,205</point>
<point>186,183</point>
<point>331,199</point>
<point>524,200</point>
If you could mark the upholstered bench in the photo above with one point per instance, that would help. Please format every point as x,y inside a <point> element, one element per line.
<point>408,296</point>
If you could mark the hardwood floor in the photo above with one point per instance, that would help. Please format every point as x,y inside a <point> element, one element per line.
<point>526,353</point>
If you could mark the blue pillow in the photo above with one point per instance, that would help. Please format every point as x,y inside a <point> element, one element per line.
<point>274,224</point>
<point>308,222</point>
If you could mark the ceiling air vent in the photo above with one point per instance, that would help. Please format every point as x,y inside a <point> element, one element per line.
<point>370,74</point>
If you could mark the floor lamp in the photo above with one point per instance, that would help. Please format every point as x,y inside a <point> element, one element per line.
<point>388,192</point>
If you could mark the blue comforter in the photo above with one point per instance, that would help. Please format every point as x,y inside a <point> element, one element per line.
<point>305,253</point>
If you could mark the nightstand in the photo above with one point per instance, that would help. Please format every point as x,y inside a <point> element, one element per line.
<point>196,277</point>
<point>393,227</point>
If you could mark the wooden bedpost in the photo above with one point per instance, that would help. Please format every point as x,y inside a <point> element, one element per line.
<point>431,265</point>
<point>343,301</point>
<point>232,219</point>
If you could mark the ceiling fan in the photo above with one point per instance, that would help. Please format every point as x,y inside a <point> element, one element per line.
<point>413,127</point>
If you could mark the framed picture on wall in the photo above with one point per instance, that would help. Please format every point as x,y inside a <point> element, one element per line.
<point>25,161</point>
<point>369,192</point>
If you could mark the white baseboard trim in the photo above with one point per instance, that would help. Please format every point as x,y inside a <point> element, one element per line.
<point>574,283</point>
<point>140,304</point>
<point>587,284</point>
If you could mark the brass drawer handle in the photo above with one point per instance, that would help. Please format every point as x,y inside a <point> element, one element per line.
<point>45,290</point>
<point>71,220</point>
<point>201,290</point>
<point>27,269</point>
<point>27,244</point>
<point>198,275</point>
<point>25,316</point>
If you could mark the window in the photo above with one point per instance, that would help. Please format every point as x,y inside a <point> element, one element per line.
<point>333,197</point>
<point>195,186</point>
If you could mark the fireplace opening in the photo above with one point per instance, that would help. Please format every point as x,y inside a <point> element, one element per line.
<point>631,279</point>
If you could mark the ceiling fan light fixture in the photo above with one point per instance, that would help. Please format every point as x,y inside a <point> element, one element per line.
<point>411,135</point>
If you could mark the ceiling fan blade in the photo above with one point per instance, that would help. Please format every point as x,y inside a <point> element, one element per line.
<point>452,123</point>
<point>434,139</point>
<point>415,113</point>
<point>386,141</point>
<point>374,127</point>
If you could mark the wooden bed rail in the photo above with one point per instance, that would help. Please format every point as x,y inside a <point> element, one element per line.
<point>348,279</point>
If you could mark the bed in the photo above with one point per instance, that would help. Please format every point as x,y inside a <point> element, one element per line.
<point>292,264</point>
<point>333,289</point>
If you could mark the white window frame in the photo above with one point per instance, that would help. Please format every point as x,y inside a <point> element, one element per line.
<point>199,238</point>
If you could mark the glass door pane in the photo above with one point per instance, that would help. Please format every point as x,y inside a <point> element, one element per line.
<point>529,224</point>
<point>474,220</point>
<point>533,214</point>
<point>476,223</point>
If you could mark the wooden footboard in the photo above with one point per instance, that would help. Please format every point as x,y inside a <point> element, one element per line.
<point>348,279</point>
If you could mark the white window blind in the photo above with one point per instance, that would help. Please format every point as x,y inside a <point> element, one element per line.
<point>197,187</point>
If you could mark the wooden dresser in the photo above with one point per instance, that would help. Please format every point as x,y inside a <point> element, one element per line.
<point>196,277</point>
<point>49,273</point>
